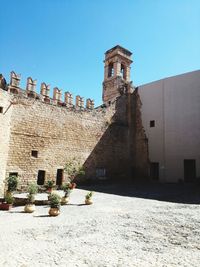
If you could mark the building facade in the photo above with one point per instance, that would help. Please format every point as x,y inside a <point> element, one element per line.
<point>170,116</point>
<point>148,132</point>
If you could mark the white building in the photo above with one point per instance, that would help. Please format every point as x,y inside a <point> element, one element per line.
<point>171,119</point>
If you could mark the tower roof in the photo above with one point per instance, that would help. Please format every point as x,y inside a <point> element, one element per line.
<point>118,47</point>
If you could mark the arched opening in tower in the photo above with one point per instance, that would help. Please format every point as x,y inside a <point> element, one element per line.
<point>110,70</point>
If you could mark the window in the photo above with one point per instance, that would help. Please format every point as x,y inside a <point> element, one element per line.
<point>110,70</point>
<point>1,109</point>
<point>59,177</point>
<point>34,153</point>
<point>152,123</point>
<point>123,72</point>
<point>13,174</point>
<point>101,173</point>
<point>41,177</point>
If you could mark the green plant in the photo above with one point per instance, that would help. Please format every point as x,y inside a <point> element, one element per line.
<point>67,188</point>
<point>32,190</point>
<point>89,195</point>
<point>30,198</point>
<point>73,168</point>
<point>49,184</point>
<point>54,200</point>
<point>12,183</point>
<point>9,199</point>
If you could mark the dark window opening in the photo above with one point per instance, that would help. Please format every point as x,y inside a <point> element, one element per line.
<point>154,171</point>
<point>13,174</point>
<point>152,123</point>
<point>123,72</point>
<point>110,70</point>
<point>41,177</point>
<point>1,109</point>
<point>59,177</point>
<point>109,102</point>
<point>34,153</point>
<point>101,173</point>
<point>189,170</point>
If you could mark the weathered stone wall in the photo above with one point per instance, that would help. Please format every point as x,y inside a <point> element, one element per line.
<point>59,134</point>
<point>5,121</point>
<point>139,156</point>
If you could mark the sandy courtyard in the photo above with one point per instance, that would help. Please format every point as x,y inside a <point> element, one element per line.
<point>116,231</point>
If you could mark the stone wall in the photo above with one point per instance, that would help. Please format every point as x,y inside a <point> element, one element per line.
<point>109,138</point>
<point>5,122</point>
<point>92,136</point>
<point>138,142</point>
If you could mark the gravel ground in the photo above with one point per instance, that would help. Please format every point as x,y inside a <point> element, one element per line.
<point>115,231</point>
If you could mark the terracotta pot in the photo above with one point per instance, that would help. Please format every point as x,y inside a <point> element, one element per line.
<point>49,190</point>
<point>54,211</point>
<point>88,201</point>
<point>64,200</point>
<point>5,206</point>
<point>29,208</point>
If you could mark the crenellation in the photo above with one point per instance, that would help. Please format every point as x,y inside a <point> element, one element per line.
<point>45,89</point>
<point>89,104</point>
<point>82,102</point>
<point>31,84</point>
<point>45,92</point>
<point>68,99</point>
<point>44,95</point>
<point>79,102</point>
<point>14,86</point>
<point>31,87</point>
<point>57,95</point>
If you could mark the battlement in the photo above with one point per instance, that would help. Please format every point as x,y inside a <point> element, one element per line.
<point>14,88</point>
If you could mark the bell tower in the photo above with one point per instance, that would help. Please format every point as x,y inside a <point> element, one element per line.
<point>116,72</point>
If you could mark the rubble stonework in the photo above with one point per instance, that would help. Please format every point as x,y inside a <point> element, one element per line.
<point>102,138</point>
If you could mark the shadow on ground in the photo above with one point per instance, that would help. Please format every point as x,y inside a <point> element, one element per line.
<point>178,193</point>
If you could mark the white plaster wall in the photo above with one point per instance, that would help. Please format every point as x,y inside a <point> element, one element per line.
<point>174,104</point>
<point>4,136</point>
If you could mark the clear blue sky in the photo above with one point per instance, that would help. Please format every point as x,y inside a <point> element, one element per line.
<point>62,42</point>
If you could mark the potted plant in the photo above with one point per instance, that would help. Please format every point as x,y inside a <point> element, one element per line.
<point>12,183</point>
<point>74,168</point>
<point>67,188</point>
<point>32,191</point>
<point>49,186</point>
<point>88,198</point>
<point>54,200</point>
<point>7,204</point>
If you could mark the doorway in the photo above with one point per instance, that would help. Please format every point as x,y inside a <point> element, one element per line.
<point>189,170</point>
<point>154,171</point>
<point>41,177</point>
<point>59,177</point>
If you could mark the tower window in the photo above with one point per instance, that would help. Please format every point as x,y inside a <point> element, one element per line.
<point>1,109</point>
<point>152,123</point>
<point>110,70</point>
<point>123,72</point>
